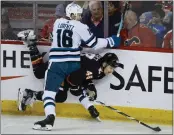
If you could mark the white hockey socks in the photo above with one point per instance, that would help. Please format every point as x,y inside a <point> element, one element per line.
<point>49,102</point>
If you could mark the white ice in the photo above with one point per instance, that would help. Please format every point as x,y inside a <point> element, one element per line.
<point>11,124</point>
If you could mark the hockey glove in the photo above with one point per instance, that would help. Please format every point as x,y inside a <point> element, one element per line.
<point>114,41</point>
<point>27,35</point>
<point>91,94</point>
<point>76,90</point>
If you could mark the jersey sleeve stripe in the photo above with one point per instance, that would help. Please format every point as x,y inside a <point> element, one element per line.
<point>89,40</point>
<point>110,41</point>
<point>94,44</point>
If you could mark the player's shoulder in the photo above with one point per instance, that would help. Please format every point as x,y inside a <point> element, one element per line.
<point>78,24</point>
<point>56,21</point>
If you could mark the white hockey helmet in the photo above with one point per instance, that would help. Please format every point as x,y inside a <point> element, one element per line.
<point>73,8</point>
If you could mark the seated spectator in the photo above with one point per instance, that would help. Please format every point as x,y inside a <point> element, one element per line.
<point>153,19</point>
<point>85,5</point>
<point>6,30</point>
<point>86,13</point>
<point>140,7</point>
<point>138,34</point>
<point>94,18</point>
<point>46,32</point>
<point>168,40</point>
<point>147,16</point>
<point>168,19</point>
<point>114,17</point>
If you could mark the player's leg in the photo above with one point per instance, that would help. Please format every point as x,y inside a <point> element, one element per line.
<point>88,105</point>
<point>39,67</point>
<point>55,75</point>
<point>29,39</point>
<point>28,97</point>
<point>85,99</point>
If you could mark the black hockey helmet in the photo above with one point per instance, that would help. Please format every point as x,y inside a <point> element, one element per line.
<point>111,59</point>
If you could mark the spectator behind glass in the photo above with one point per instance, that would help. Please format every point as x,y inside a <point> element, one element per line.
<point>153,19</point>
<point>46,32</point>
<point>6,30</point>
<point>94,18</point>
<point>168,19</point>
<point>168,40</point>
<point>138,34</point>
<point>156,24</point>
<point>114,17</point>
<point>140,7</point>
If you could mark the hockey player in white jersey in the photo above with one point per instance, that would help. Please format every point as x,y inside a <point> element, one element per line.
<point>64,56</point>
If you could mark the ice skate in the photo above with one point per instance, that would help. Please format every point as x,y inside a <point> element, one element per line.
<point>25,97</point>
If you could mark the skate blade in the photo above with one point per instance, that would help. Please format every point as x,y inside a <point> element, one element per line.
<point>98,119</point>
<point>46,128</point>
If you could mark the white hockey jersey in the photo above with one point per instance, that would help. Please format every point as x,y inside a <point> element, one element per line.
<point>67,38</point>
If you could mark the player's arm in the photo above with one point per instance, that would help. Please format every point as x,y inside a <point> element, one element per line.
<point>90,89</point>
<point>93,42</point>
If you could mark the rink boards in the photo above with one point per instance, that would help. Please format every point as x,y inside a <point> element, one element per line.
<point>141,86</point>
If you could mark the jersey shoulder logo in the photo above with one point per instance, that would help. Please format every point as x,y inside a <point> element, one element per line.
<point>89,75</point>
<point>133,40</point>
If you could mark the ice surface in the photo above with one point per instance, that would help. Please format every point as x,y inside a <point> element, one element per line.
<point>11,124</point>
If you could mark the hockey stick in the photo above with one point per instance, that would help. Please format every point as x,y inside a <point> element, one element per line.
<point>122,18</point>
<point>157,129</point>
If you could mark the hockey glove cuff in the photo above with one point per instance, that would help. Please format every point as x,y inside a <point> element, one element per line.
<point>91,94</point>
<point>114,41</point>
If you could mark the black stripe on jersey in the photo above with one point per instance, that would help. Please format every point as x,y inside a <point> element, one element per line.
<point>95,43</point>
<point>90,39</point>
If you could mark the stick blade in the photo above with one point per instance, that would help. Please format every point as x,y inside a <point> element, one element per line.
<point>157,129</point>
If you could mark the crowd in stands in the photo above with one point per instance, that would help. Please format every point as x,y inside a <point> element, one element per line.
<point>146,23</point>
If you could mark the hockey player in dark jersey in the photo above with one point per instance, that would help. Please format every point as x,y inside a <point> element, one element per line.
<point>79,83</point>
